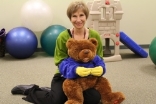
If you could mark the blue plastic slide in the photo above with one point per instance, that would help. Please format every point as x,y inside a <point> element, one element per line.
<point>127,41</point>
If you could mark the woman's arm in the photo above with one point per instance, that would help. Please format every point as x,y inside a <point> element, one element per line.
<point>96,35</point>
<point>60,48</point>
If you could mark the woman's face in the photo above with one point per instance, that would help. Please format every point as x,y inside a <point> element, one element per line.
<point>78,19</point>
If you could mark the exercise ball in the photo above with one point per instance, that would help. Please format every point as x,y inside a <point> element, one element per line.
<point>36,15</point>
<point>152,50</point>
<point>21,42</point>
<point>48,38</point>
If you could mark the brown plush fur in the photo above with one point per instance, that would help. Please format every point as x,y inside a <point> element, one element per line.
<point>74,88</point>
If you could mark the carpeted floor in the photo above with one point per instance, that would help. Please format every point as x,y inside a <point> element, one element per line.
<point>134,76</point>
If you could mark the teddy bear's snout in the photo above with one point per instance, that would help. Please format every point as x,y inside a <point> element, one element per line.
<point>86,51</point>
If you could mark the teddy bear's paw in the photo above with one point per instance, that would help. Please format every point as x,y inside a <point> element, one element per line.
<point>72,102</point>
<point>117,98</point>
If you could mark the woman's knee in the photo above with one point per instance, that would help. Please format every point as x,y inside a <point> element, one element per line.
<point>91,96</point>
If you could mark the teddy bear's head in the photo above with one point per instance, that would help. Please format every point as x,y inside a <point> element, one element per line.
<point>82,50</point>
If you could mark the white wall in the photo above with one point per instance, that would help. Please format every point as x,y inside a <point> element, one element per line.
<point>138,22</point>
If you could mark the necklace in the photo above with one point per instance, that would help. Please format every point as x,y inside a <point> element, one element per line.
<point>73,33</point>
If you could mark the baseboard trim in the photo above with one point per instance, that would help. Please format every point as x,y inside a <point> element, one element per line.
<point>125,47</point>
<point>111,47</point>
<point>39,50</point>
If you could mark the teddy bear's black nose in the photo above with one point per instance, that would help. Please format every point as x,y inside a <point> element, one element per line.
<point>86,51</point>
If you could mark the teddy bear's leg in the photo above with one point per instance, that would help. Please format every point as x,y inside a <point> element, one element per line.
<point>73,91</point>
<point>107,96</point>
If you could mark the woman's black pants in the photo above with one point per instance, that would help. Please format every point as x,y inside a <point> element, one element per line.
<point>57,96</point>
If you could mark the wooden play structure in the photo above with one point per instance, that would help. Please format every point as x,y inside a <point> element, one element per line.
<point>105,16</point>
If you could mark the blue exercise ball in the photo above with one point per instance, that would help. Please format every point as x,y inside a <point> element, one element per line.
<point>21,42</point>
<point>48,38</point>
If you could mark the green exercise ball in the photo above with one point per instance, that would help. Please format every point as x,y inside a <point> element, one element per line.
<point>152,50</point>
<point>48,38</point>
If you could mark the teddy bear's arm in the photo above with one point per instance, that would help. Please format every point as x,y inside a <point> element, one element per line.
<point>68,68</point>
<point>98,61</point>
<point>97,71</point>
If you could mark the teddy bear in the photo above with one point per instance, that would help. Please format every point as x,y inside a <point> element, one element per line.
<point>83,69</point>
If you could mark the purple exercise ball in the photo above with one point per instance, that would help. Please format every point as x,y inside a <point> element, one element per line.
<point>21,42</point>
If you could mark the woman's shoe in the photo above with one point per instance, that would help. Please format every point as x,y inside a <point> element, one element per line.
<point>21,89</point>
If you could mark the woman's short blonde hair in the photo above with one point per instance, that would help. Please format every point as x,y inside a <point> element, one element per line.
<point>76,5</point>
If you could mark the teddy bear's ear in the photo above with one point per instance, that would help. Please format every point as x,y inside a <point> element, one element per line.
<point>94,41</point>
<point>70,42</point>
